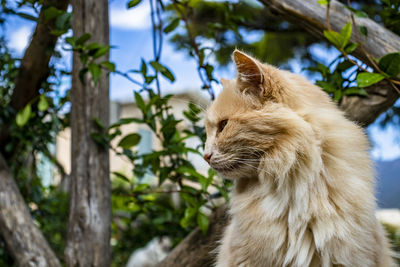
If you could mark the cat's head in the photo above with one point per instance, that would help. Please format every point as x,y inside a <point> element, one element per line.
<point>255,117</point>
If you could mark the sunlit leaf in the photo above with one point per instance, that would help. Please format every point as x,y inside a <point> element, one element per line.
<point>323,2</point>
<point>365,79</point>
<point>346,34</point>
<point>43,105</point>
<point>24,115</point>
<point>190,212</point>
<point>335,38</point>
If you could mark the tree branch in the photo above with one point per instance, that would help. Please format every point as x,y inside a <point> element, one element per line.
<point>34,68</point>
<point>312,17</point>
<point>24,240</point>
<point>365,110</point>
<point>198,250</point>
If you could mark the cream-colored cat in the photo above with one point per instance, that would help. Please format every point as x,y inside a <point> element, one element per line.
<point>304,185</point>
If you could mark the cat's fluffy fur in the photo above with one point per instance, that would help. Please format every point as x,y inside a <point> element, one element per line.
<point>304,184</point>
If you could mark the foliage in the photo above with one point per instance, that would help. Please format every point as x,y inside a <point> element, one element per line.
<point>145,199</point>
<point>223,25</point>
<point>346,75</point>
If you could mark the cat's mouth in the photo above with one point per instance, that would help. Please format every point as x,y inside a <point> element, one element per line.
<point>224,168</point>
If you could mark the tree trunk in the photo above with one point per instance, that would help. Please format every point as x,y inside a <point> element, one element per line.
<point>195,250</point>
<point>24,239</point>
<point>88,241</point>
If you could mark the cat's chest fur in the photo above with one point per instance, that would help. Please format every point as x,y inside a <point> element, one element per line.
<point>276,234</point>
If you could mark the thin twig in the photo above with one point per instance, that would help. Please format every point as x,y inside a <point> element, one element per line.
<point>201,67</point>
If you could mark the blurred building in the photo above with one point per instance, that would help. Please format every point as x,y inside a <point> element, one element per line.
<point>148,141</point>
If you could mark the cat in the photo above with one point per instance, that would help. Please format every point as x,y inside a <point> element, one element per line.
<point>303,181</point>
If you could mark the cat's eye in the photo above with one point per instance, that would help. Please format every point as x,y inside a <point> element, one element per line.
<point>221,125</point>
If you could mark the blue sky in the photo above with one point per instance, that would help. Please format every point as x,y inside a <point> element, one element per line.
<point>130,33</point>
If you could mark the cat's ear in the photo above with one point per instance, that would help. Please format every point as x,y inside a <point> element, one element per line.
<point>248,69</point>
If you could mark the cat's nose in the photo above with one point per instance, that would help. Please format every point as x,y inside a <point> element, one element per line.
<point>207,157</point>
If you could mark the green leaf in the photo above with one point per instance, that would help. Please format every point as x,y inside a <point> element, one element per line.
<point>99,123</point>
<point>101,51</point>
<point>190,212</point>
<point>346,34</point>
<point>344,65</point>
<point>121,176</point>
<point>43,105</point>
<point>93,47</point>
<point>335,38</point>
<point>164,70</point>
<point>129,141</point>
<point>63,22</point>
<point>24,115</point>
<point>143,68</point>
<point>51,13</point>
<point>140,103</point>
<point>95,71</point>
<point>337,95</point>
<point>365,79</point>
<point>172,26</point>
<point>363,30</point>
<point>350,48</point>
<point>355,91</point>
<point>390,64</point>
<point>328,87</point>
<point>361,14</point>
<point>133,3</point>
<point>83,39</point>
<point>203,222</point>
<point>323,2</point>
<point>100,139</point>
<point>71,41</point>
<point>141,187</point>
<point>108,65</point>
<point>223,192</point>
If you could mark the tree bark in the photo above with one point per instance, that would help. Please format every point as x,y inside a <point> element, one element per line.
<point>365,110</point>
<point>198,250</point>
<point>24,239</point>
<point>312,17</point>
<point>195,250</point>
<point>34,68</point>
<point>88,241</point>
